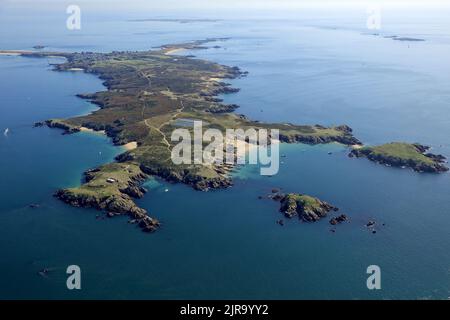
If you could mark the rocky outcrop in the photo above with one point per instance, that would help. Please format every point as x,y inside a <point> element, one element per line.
<point>94,98</point>
<point>134,191</point>
<point>54,123</point>
<point>39,124</point>
<point>415,157</point>
<point>205,184</point>
<point>222,108</point>
<point>148,224</point>
<point>344,136</point>
<point>111,188</point>
<point>339,219</point>
<point>197,181</point>
<point>114,205</point>
<point>307,208</point>
<point>117,204</point>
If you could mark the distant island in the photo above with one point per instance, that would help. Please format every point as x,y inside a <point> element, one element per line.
<point>186,20</point>
<point>149,94</point>
<point>397,38</point>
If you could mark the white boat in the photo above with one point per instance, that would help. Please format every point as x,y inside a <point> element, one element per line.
<point>6,132</point>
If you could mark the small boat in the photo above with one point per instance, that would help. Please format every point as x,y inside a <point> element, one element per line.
<point>5,133</point>
<point>45,272</point>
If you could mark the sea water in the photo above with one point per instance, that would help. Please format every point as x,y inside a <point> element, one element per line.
<point>227,244</point>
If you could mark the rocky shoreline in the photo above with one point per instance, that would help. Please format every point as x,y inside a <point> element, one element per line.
<point>345,137</point>
<point>403,155</point>
<point>54,123</point>
<point>305,207</point>
<point>146,93</point>
<point>117,201</point>
<point>196,181</point>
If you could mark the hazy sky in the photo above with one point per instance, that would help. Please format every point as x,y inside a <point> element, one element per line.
<point>217,4</point>
<point>219,8</point>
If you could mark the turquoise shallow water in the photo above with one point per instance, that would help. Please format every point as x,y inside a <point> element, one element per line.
<point>226,244</point>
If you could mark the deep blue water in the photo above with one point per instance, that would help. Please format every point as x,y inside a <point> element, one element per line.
<point>226,244</point>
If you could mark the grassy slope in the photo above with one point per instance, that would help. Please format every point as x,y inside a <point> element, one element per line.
<point>307,202</point>
<point>401,150</point>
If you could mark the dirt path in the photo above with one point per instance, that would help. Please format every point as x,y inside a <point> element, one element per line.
<point>166,142</point>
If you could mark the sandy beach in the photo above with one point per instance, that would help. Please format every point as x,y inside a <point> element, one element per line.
<point>173,51</point>
<point>130,146</point>
<point>356,146</point>
<point>12,53</point>
<point>84,129</point>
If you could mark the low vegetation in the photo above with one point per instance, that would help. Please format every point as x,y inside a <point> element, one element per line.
<point>400,154</point>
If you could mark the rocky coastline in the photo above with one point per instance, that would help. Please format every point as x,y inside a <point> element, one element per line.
<point>345,137</point>
<point>305,207</point>
<point>403,155</point>
<point>116,199</point>
<point>146,93</point>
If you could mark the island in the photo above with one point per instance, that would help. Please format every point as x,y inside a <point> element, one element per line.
<point>150,94</point>
<point>397,38</point>
<point>307,208</point>
<point>408,39</point>
<point>405,155</point>
<point>173,20</point>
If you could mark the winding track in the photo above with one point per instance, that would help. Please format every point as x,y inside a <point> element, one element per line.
<point>166,142</point>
